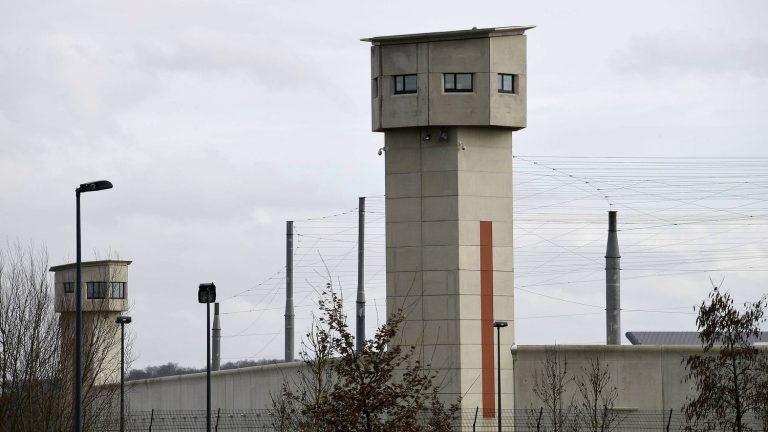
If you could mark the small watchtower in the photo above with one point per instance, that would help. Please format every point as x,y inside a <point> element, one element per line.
<point>447,104</point>
<point>104,298</point>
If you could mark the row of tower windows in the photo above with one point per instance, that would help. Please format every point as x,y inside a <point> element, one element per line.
<point>452,83</point>
<point>100,290</point>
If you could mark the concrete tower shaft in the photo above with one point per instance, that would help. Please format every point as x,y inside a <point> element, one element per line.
<point>448,104</point>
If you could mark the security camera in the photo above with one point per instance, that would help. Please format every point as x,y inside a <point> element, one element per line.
<point>382,150</point>
<point>462,146</point>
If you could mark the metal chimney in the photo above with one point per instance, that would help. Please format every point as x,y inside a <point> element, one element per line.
<point>216,360</point>
<point>289,314</point>
<point>360,315</point>
<point>612,284</point>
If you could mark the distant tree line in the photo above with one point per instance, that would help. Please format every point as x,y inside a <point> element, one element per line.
<point>171,369</point>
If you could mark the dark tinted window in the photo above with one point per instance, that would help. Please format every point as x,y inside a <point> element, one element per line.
<point>458,82</point>
<point>96,290</point>
<point>103,290</point>
<point>507,83</point>
<point>118,290</point>
<point>405,84</point>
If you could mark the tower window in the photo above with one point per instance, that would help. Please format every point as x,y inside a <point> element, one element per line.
<point>96,290</point>
<point>457,82</point>
<point>405,84</point>
<point>118,290</point>
<point>507,83</point>
<point>69,287</point>
<point>104,290</point>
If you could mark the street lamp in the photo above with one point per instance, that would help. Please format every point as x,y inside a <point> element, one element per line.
<point>122,320</point>
<point>499,325</point>
<point>207,294</point>
<point>85,187</point>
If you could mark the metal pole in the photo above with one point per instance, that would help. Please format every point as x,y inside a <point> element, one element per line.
<point>498,367</point>
<point>122,376</point>
<point>360,334</point>
<point>289,292</point>
<point>151,419</point>
<point>612,284</point>
<point>474,422</point>
<point>208,366</point>
<point>78,325</point>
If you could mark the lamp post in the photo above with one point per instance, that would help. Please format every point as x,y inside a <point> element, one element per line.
<point>122,320</point>
<point>499,325</point>
<point>207,294</point>
<point>85,187</point>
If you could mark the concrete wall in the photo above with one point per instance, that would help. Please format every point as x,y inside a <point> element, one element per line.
<point>647,377</point>
<point>244,388</point>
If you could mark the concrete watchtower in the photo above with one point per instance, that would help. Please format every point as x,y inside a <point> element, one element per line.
<point>105,297</point>
<point>448,103</point>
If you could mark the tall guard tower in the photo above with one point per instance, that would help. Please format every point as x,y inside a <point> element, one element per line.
<point>105,297</point>
<point>448,103</point>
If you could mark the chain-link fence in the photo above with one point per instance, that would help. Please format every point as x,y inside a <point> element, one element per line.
<point>521,420</point>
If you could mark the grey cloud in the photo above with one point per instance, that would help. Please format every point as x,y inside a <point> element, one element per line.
<point>208,187</point>
<point>268,61</point>
<point>60,87</point>
<point>674,52</point>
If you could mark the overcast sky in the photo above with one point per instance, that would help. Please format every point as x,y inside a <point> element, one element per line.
<point>219,120</point>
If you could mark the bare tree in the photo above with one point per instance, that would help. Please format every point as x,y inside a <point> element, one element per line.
<point>36,358</point>
<point>30,379</point>
<point>731,381</point>
<point>380,388</point>
<point>550,386</point>
<point>596,399</point>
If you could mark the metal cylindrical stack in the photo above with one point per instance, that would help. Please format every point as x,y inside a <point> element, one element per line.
<point>612,284</point>
<point>216,355</point>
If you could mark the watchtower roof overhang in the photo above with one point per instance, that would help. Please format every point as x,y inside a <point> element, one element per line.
<point>473,33</point>
<point>89,264</point>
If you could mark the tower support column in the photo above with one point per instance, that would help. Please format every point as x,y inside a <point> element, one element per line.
<point>449,255</point>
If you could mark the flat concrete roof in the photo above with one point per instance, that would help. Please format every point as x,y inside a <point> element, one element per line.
<point>678,338</point>
<point>473,33</point>
<point>88,264</point>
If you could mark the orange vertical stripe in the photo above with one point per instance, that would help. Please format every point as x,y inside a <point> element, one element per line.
<point>486,317</point>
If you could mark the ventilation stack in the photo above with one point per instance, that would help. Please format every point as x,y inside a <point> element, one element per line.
<point>289,314</point>
<point>216,361</point>
<point>612,284</point>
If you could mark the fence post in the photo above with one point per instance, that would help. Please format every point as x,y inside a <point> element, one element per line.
<point>218,413</point>
<point>669,420</point>
<point>151,419</point>
<point>538,420</point>
<point>474,422</point>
